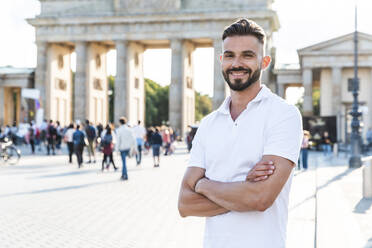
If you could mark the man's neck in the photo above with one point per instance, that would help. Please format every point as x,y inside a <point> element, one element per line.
<point>240,99</point>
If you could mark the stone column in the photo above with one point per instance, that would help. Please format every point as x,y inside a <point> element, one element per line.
<point>281,90</point>
<point>40,74</point>
<point>307,78</point>
<point>336,97</point>
<point>175,88</point>
<point>2,108</point>
<point>80,87</point>
<point>336,90</point>
<point>220,89</point>
<point>121,81</point>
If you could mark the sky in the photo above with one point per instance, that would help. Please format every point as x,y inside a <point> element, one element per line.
<point>303,23</point>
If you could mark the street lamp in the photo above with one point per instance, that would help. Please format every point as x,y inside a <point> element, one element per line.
<point>355,159</point>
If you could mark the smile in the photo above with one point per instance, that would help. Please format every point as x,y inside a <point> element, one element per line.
<point>238,73</point>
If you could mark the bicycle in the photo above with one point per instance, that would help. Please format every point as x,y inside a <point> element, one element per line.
<point>8,152</point>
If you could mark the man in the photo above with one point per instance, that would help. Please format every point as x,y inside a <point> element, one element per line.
<point>140,133</point>
<point>250,130</point>
<point>51,135</point>
<point>125,143</point>
<point>91,136</point>
<point>156,143</point>
<point>78,139</point>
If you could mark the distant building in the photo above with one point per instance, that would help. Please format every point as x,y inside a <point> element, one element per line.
<point>14,108</point>
<point>328,66</point>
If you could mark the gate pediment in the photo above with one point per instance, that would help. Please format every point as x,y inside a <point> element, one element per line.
<point>340,45</point>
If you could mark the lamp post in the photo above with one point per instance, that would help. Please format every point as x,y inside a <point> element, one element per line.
<point>355,159</point>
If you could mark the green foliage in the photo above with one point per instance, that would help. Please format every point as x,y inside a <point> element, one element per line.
<point>157,98</point>
<point>157,103</point>
<point>316,101</point>
<point>203,105</point>
<point>111,88</point>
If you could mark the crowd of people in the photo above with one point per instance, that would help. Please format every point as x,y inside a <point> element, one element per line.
<point>128,140</point>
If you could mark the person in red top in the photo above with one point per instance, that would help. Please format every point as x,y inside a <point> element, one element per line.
<point>108,147</point>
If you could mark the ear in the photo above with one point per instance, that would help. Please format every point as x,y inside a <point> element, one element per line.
<point>265,62</point>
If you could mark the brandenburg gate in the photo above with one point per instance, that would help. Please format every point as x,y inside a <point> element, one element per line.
<point>90,28</point>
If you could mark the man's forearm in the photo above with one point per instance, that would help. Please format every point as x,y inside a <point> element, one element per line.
<point>195,204</point>
<point>234,196</point>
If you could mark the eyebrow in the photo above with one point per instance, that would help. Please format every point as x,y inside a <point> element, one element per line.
<point>247,52</point>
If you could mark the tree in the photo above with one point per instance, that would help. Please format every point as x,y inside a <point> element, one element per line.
<point>157,98</point>
<point>157,103</point>
<point>203,105</point>
<point>111,88</point>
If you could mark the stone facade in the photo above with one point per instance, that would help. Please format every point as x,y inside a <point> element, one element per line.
<point>131,26</point>
<point>329,65</point>
<point>13,108</point>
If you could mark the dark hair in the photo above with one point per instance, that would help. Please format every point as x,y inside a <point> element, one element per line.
<point>71,125</point>
<point>245,27</point>
<point>77,126</point>
<point>123,120</point>
<point>87,122</point>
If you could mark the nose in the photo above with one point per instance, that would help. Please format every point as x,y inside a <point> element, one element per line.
<point>237,62</point>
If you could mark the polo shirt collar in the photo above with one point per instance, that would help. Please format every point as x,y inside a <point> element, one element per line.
<point>262,94</point>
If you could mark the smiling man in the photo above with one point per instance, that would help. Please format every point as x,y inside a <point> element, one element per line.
<point>252,131</point>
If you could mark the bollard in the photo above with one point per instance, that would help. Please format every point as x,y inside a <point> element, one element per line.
<point>367,179</point>
<point>335,149</point>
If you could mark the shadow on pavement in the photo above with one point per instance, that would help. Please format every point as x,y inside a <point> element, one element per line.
<point>73,173</point>
<point>334,179</point>
<point>363,206</point>
<point>58,189</point>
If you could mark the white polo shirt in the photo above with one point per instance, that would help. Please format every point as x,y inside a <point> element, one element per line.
<point>228,150</point>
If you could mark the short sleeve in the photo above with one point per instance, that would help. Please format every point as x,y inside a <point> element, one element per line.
<point>284,136</point>
<point>197,154</point>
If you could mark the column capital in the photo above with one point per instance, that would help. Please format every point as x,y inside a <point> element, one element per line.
<point>121,42</point>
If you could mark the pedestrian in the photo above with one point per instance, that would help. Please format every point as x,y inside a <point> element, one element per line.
<point>125,143</point>
<point>166,140</point>
<point>91,136</point>
<point>326,144</point>
<point>79,142</point>
<point>51,137</point>
<point>59,135</point>
<point>140,133</point>
<point>43,134</point>
<point>305,149</point>
<point>108,146</point>
<point>243,154</point>
<point>156,143</point>
<point>31,137</point>
<point>99,129</point>
<point>68,138</point>
<point>13,133</point>
<point>149,133</point>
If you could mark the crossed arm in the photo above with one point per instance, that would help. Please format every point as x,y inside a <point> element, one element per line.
<point>200,196</point>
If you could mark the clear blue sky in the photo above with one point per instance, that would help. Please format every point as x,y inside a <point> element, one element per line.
<point>303,23</point>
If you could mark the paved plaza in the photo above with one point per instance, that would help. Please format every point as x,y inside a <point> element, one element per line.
<point>46,202</point>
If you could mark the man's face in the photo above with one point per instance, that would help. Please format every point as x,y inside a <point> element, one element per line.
<point>242,61</point>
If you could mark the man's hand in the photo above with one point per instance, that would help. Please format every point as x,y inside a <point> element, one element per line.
<point>261,171</point>
<point>191,203</point>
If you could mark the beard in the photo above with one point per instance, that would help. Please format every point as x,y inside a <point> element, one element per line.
<point>238,84</point>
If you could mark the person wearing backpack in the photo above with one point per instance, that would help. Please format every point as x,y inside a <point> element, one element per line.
<point>91,136</point>
<point>79,143</point>
<point>108,147</point>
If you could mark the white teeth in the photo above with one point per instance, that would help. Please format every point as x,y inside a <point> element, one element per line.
<point>238,73</point>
